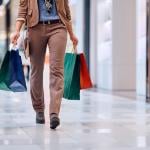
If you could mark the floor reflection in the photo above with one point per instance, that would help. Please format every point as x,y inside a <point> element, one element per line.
<point>97,122</point>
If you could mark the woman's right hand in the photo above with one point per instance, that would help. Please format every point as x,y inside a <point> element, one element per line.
<point>14,37</point>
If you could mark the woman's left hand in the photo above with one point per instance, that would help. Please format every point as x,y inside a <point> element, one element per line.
<point>74,40</point>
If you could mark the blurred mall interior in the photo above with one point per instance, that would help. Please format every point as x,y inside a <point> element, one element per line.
<point>115,114</point>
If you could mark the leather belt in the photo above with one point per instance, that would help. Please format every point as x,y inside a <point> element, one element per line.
<point>50,22</point>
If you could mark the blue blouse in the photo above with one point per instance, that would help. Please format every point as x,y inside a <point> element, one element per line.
<point>44,14</point>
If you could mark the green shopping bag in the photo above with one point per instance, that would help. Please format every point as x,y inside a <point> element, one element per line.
<point>72,77</point>
<point>3,73</point>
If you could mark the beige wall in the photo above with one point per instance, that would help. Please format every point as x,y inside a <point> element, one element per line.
<point>14,10</point>
<point>2,22</point>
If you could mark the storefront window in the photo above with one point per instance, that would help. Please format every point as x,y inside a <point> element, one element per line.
<point>104,44</point>
<point>141,47</point>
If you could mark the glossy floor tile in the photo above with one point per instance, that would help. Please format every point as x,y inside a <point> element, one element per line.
<point>96,122</point>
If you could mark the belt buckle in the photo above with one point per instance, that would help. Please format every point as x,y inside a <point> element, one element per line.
<point>49,22</point>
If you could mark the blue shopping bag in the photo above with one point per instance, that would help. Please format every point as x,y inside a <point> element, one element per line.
<point>11,72</point>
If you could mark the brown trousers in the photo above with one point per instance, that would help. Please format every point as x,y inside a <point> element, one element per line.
<point>55,36</point>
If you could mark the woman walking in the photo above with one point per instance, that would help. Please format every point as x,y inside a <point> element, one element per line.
<point>48,22</point>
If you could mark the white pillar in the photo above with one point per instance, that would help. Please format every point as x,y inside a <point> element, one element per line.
<point>124,45</point>
<point>93,42</point>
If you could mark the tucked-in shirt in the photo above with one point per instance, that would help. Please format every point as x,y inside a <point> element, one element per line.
<point>44,14</point>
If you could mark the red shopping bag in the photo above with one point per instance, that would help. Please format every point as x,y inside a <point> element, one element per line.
<point>85,80</point>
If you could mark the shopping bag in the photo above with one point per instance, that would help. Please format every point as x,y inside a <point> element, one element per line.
<point>72,77</point>
<point>1,2</point>
<point>11,73</point>
<point>4,72</point>
<point>85,80</point>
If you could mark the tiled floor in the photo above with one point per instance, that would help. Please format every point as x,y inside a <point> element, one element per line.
<point>97,122</point>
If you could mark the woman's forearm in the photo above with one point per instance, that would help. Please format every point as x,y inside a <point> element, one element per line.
<point>14,37</point>
<point>70,30</point>
<point>19,25</point>
<point>73,38</point>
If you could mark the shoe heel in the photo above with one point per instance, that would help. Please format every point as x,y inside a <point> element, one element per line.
<point>40,121</point>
